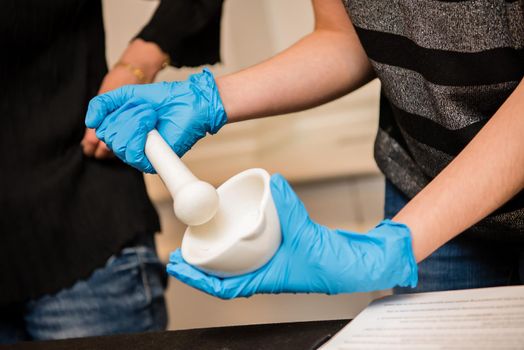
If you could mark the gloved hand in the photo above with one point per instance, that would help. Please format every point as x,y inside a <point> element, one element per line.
<point>315,259</point>
<point>182,112</point>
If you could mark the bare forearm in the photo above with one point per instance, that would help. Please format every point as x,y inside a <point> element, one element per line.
<point>326,64</point>
<point>486,174</point>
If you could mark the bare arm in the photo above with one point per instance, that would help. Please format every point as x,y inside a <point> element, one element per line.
<point>486,174</point>
<point>326,64</point>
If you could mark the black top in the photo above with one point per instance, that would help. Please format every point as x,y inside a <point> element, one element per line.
<point>63,214</point>
<point>445,67</point>
<point>289,336</point>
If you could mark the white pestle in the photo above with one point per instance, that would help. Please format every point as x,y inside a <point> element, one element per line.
<point>195,202</point>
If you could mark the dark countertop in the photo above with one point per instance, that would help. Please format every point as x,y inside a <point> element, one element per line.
<point>289,336</point>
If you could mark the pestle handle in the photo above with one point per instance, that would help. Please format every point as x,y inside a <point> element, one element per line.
<point>195,202</point>
<point>167,164</point>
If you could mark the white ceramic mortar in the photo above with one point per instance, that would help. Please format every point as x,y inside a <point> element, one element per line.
<point>233,230</point>
<point>245,232</point>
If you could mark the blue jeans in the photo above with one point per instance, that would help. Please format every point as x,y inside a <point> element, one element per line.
<point>126,295</point>
<point>464,262</point>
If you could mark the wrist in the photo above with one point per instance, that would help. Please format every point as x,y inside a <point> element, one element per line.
<point>222,88</point>
<point>206,83</point>
<point>143,58</point>
<point>398,258</point>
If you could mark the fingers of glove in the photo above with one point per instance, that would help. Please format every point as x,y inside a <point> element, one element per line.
<point>176,257</point>
<point>103,105</point>
<point>223,288</point>
<point>291,211</point>
<point>187,274</point>
<point>135,155</point>
<point>119,119</point>
<point>139,123</point>
<point>110,119</point>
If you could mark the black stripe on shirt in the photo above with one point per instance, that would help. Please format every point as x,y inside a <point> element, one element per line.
<point>445,67</point>
<point>435,135</point>
<point>513,204</point>
<point>439,137</point>
<point>387,122</point>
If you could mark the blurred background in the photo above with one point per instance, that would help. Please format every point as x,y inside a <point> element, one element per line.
<point>326,153</point>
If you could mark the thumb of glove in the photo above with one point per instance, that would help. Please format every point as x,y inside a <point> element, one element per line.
<point>291,211</point>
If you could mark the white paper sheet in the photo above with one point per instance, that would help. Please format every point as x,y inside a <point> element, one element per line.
<point>489,318</point>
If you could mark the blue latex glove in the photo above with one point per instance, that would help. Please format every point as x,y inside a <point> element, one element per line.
<point>182,112</point>
<point>315,259</point>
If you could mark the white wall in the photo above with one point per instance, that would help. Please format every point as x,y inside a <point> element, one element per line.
<point>326,152</point>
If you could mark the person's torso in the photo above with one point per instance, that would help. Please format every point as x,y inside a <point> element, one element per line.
<point>445,68</point>
<point>63,213</point>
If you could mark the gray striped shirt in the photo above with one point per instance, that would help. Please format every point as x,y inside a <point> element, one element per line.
<point>445,67</point>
